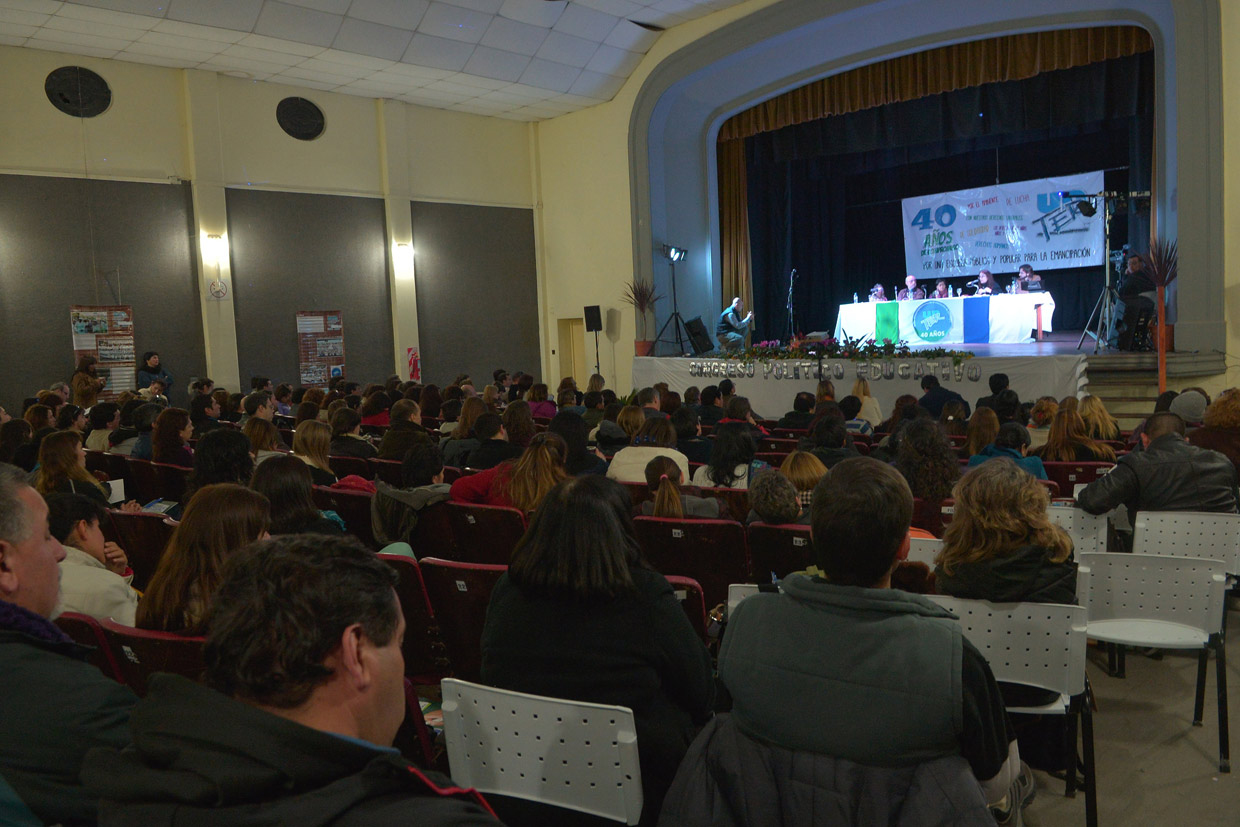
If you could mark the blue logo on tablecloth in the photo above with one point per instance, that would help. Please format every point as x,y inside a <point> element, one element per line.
<point>932,321</point>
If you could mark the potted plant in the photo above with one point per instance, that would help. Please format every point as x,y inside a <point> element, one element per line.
<point>1162,265</point>
<point>640,294</point>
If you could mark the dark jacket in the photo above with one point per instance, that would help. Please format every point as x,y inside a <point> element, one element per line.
<point>798,420</point>
<point>201,758</point>
<point>1024,575</point>
<point>697,449</point>
<point>394,512</point>
<point>637,651</point>
<point>1224,440</point>
<point>142,448</point>
<point>203,426</point>
<point>1170,475</point>
<point>610,437</point>
<point>146,375</point>
<point>1031,464</point>
<point>346,445</point>
<point>457,451</point>
<point>833,456</point>
<point>710,414</point>
<point>56,707</point>
<point>934,399</point>
<point>401,435</point>
<point>84,488</point>
<point>490,453</point>
<point>731,780</point>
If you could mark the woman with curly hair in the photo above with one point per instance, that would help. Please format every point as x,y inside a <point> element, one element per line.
<point>519,423</point>
<point>888,425</point>
<point>927,461</point>
<point>1069,442</point>
<point>170,438</point>
<point>1099,423</point>
<point>1040,417</point>
<point>1220,429</point>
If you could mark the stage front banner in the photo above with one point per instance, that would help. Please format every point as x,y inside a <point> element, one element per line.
<point>771,385</point>
<point>1004,318</point>
<point>1002,227</point>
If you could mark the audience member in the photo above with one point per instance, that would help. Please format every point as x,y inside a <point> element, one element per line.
<point>462,440</point>
<point>579,615</point>
<point>62,468</point>
<point>1008,408</point>
<point>13,435</point>
<point>304,694</point>
<point>663,479</point>
<point>566,400</point>
<point>404,432</point>
<point>95,574</point>
<point>828,440</point>
<point>170,438</point>
<point>431,401</point>
<point>1012,442</point>
<point>71,418</point>
<point>655,438</point>
<point>1040,418</point>
<point>871,411</point>
<point>570,427</point>
<point>283,395</point>
<point>1190,406</point>
<point>493,399</point>
<point>265,439</point>
<point>144,423</point>
<point>1067,441</point>
<point>710,411</point>
<point>801,414</point>
<point>86,383</point>
<point>305,411</point>
<point>983,428</point>
<point>732,462</point>
<point>395,511</point>
<point>852,704</point>
<point>151,370</point>
<point>935,395</point>
<point>693,397</point>
<point>650,402</point>
<point>519,423</point>
<point>540,406</point>
<point>221,456</point>
<point>347,439</point>
<point>739,410</point>
<point>850,406</point>
<point>1221,426</point>
<point>218,521</point>
<point>204,414</point>
<point>689,439</point>
<point>927,461</point>
<point>312,445</point>
<point>998,384</point>
<point>902,401</point>
<point>521,483</point>
<point>593,406</point>
<point>260,404</point>
<point>56,705</point>
<point>1099,423</point>
<point>155,392</point>
<point>105,418</point>
<point>1169,474</point>
<point>952,420</point>
<point>825,392</point>
<point>609,436</point>
<point>805,470</point>
<point>774,500</point>
<point>374,410</point>
<point>285,482</point>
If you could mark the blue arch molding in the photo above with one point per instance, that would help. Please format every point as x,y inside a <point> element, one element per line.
<point>687,97</point>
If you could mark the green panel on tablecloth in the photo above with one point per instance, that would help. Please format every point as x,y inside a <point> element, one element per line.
<point>887,321</point>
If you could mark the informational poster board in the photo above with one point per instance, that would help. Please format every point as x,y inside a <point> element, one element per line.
<point>105,332</point>
<point>999,228</point>
<point>320,346</point>
<point>415,364</point>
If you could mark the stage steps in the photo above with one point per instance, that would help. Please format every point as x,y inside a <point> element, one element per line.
<point>1126,386</point>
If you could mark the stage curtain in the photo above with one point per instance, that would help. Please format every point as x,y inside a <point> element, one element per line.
<point>923,74</point>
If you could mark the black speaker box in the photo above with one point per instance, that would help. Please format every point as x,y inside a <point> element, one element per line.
<point>698,337</point>
<point>594,318</point>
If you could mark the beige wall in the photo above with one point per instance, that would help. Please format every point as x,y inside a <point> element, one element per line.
<point>1230,18</point>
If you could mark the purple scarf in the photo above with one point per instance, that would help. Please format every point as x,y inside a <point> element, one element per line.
<point>14,618</point>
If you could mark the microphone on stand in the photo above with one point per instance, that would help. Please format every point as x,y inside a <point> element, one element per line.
<point>973,283</point>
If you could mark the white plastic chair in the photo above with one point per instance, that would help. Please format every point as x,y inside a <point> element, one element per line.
<point>579,756</point>
<point>1041,645</point>
<point>738,592</point>
<point>1189,534</point>
<point>1163,602</point>
<point>1088,531</point>
<point>922,550</point>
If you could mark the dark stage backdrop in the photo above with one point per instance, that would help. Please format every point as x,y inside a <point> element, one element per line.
<point>824,196</point>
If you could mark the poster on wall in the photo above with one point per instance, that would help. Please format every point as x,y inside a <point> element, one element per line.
<point>415,363</point>
<point>320,346</point>
<point>1043,223</point>
<point>105,332</point>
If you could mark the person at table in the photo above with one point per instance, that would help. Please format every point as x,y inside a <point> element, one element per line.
<point>730,331</point>
<point>911,290</point>
<point>878,294</point>
<point>984,285</point>
<point>941,290</point>
<point>1028,281</point>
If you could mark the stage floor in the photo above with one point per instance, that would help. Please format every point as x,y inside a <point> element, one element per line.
<point>1059,343</point>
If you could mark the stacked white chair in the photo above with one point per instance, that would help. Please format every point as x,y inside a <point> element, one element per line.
<point>1041,645</point>
<point>922,550</point>
<point>1088,531</point>
<point>1164,602</point>
<point>579,756</point>
<point>1189,534</point>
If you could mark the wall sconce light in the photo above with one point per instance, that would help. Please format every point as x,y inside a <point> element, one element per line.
<point>214,250</point>
<point>402,255</point>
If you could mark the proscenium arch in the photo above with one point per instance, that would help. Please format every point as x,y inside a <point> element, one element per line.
<point>686,98</point>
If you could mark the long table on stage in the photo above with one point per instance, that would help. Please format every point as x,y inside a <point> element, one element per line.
<point>1003,317</point>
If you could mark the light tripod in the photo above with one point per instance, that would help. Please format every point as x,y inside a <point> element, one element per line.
<point>1103,330</point>
<point>681,332</point>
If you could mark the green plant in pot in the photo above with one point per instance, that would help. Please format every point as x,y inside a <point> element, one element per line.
<point>642,297</point>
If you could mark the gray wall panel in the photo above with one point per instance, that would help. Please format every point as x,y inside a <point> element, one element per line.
<point>477,290</point>
<point>294,251</point>
<point>55,235</point>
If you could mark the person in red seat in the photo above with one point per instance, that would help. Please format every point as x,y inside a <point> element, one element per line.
<point>1068,441</point>
<point>94,576</point>
<point>170,438</point>
<point>304,695</point>
<point>521,483</point>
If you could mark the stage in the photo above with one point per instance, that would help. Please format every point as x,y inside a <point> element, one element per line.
<point>1052,367</point>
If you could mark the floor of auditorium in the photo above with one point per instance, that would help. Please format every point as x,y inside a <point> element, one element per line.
<point>1059,343</point>
<point>1154,767</point>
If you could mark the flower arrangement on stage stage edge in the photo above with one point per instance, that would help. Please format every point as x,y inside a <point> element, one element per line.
<point>856,350</point>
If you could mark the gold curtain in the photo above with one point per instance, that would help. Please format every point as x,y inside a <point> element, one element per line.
<point>1014,57</point>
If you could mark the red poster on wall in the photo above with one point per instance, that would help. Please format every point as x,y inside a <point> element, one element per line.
<point>105,332</point>
<point>320,346</point>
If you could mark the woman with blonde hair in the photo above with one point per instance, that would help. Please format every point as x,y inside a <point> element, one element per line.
<point>311,444</point>
<point>596,383</point>
<point>982,430</point>
<point>462,441</point>
<point>218,520</point>
<point>825,392</point>
<point>1099,423</point>
<point>805,470</point>
<point>492,399</point>
<point>519,483</point>
<point>871,411</point>
<point>1069,442</point>
<point>630,419</point>
<point>264,438</point>
<point>1220,429</point>
<point>62,468</point>
<point>664,478</point>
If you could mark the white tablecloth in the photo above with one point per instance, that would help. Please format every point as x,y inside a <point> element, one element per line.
<point>1004,317</point>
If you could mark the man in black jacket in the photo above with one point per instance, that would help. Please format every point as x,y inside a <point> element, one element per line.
<point>493,445</point>
<point>802,412</point>
<point>935,396</point>
<point>404,431</point>
<point>56,705</point>
<point>998,384</point>
<point>1168,475</point>
<point>711,409</point>
<point>306,692</point>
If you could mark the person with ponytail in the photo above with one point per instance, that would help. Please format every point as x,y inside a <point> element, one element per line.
<point>664,478</point>
<point>520,483</point>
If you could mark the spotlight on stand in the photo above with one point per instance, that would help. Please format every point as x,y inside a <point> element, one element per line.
<point>673,254</point>
<point>1088,208</point>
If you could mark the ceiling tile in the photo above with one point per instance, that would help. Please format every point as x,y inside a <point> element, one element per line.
<point>111,18</point>
<point>82,39</point>
<point>497,64</point>
<point>321,64</point>
<point>654,17</point>
<point>11,40</point>
<point>258,68</point>
<point>275,44</point>
<point>437,52</point>
<point>334,78</point>
<point>227,14</point>
<point>329,6</point>
<point>630,36</point>
<point>536,112</point>
<point>409,71</point>
<point>454,23</point>
<point>302,83</point>
<point>372,39</point>
<point>177,41</point>
<point>17,29</point>
<point>403,14</point>
<point>151,8</point>
<point>156,60</point>
<point>587,23</point>
<point>431,97</point>
<point>371,87</point>
<point>479,83</point>
<point>547,75</point>
<point>618,8</point>
<point>576,101</point>
<point>515,115</point>
<point>484,6</point>
<point>374,64</point>
<point>298,24</point>
<point>281,59</point>
<point>78,49</point>
<point>194,30</point>
<point>612,61</point>
<point>521,97</point>
<point>564,48</point>
<point>37,6</point>
<point>69,24</point>
<point>513,36</point>
<point>684,8</point>
<point>190,56</point>
<point>458,89</point>
<point>475,108</point>
<point>23,18</point>
<point>595,85</point>
<point>534,12</point>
